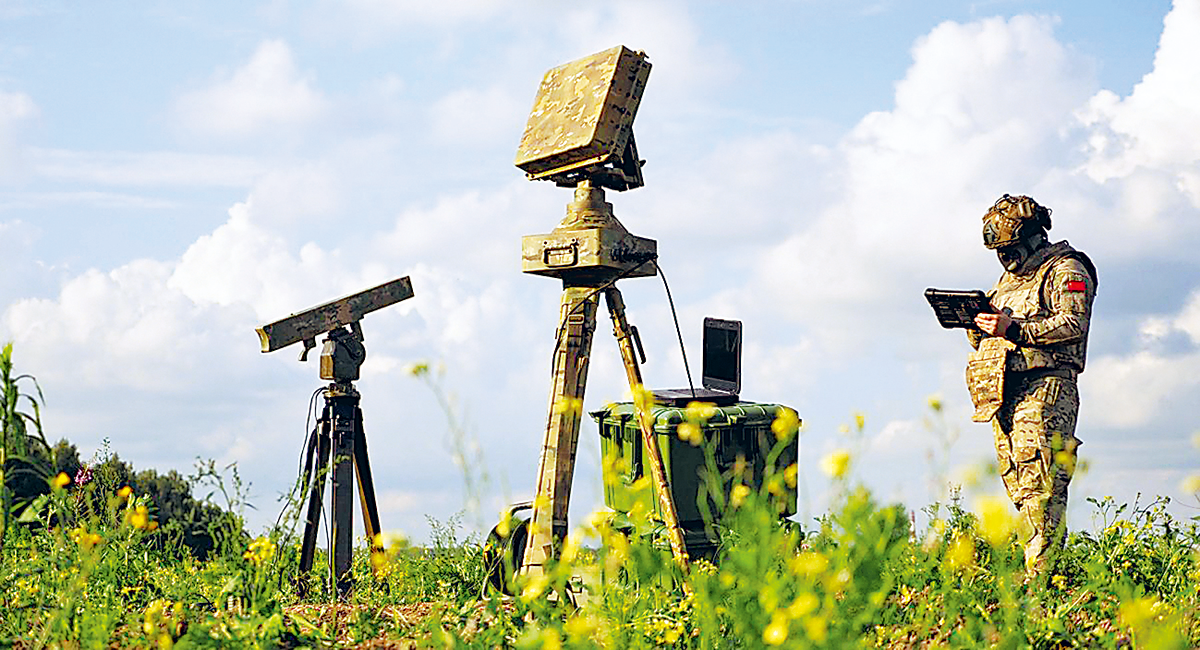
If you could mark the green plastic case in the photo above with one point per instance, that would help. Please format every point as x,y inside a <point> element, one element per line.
<point>741,430</point>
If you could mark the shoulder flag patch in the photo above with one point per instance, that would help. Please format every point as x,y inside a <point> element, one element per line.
<point>1076,285</point>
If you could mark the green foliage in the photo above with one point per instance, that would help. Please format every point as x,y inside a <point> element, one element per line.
<point>104,569</point>
<point>23,448</point>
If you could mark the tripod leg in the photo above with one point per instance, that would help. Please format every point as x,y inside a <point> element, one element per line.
<point>342,511</point>
<point>366,486</point>
<point>643,401</point>
<point>556,466</point>
<point>316,488</point>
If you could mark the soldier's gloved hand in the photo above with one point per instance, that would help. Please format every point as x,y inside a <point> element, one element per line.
<point>993,324</point>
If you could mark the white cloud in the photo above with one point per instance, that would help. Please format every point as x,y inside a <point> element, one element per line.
<point>1141,389</point>
<point>911,183</point>
<point>267,94</point>
<point>1143,171</point>
<point>123,327</point>
<point>1148,386</point>
<point>1146,129</point>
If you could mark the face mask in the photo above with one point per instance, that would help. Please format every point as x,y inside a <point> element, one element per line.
<point>1011,257</point>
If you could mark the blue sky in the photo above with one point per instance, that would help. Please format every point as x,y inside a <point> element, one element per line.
<point>176,174</point>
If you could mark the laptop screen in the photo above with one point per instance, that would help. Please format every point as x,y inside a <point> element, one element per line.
<point>722,364</point>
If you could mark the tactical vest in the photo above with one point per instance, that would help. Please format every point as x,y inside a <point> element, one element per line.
<point>1025,297</point>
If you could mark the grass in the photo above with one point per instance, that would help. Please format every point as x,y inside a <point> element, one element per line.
<point>87,572</point>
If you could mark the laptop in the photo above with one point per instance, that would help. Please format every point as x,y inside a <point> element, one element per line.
<point>721,368</point>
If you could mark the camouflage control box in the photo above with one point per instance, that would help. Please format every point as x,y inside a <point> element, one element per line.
<point>741,430</point>
<point>602,252</point>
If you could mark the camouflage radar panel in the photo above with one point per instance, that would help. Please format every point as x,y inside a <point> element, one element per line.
<point>581,124</point>
<point>1011,219</point>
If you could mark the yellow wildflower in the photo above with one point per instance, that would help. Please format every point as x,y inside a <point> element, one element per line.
<point>935,403</point>
<point>643,397</point>
<point>581,627</point>
<point>836,463</point>
<point>805,604</point>
<point>775,485</point>
<point>125,492</point>
<point>786,424</point>
<point>777,631</point>
<point>568,405</point>
<point>739,494</point>
<point>690,432</point>
<point>1140,613</point>
<point>809,564</point>
<point>139,518</point>
<point>1191,485</point>
<point>961,553</point>
<point>261,550</point>
<point>62,480</point>
<point>860,421</point>
<point>791,473</point>
<point>598,520</point>
<point>570,549</point>
<point>153,616</point>
<point>700,411</point>
<point>85,539</point>
<point>995,522</point>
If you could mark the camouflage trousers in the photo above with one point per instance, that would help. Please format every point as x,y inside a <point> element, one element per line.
<point>1035,448</point>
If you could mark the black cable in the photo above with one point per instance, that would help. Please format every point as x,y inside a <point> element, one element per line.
<point>562,328</point>
<point>312,405</point>
<point>679,333</point>
<point>303,470</point>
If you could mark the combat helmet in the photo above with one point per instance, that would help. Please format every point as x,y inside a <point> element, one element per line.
<point>1012,219</point>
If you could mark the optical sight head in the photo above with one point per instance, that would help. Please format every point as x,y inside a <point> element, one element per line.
<point>330,317</point>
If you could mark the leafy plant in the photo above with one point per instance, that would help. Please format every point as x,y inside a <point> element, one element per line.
<point>21,468</point>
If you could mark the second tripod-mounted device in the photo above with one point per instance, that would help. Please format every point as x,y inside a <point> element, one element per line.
<point>580,135</point>
<point>337,445</point>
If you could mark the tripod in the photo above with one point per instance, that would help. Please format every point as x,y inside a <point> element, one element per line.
<point>338,439</point>
<point>589,251</point>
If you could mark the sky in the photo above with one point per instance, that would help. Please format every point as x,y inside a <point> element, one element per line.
<point>175,174</point>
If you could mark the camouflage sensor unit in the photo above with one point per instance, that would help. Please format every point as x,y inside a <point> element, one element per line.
<point>580,134</point>
<point>581,125</point>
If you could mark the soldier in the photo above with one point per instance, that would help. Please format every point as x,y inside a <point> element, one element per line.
<point>1022,373</point>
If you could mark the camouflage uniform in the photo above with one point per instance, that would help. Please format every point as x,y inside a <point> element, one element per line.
<point>1050,299</point>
